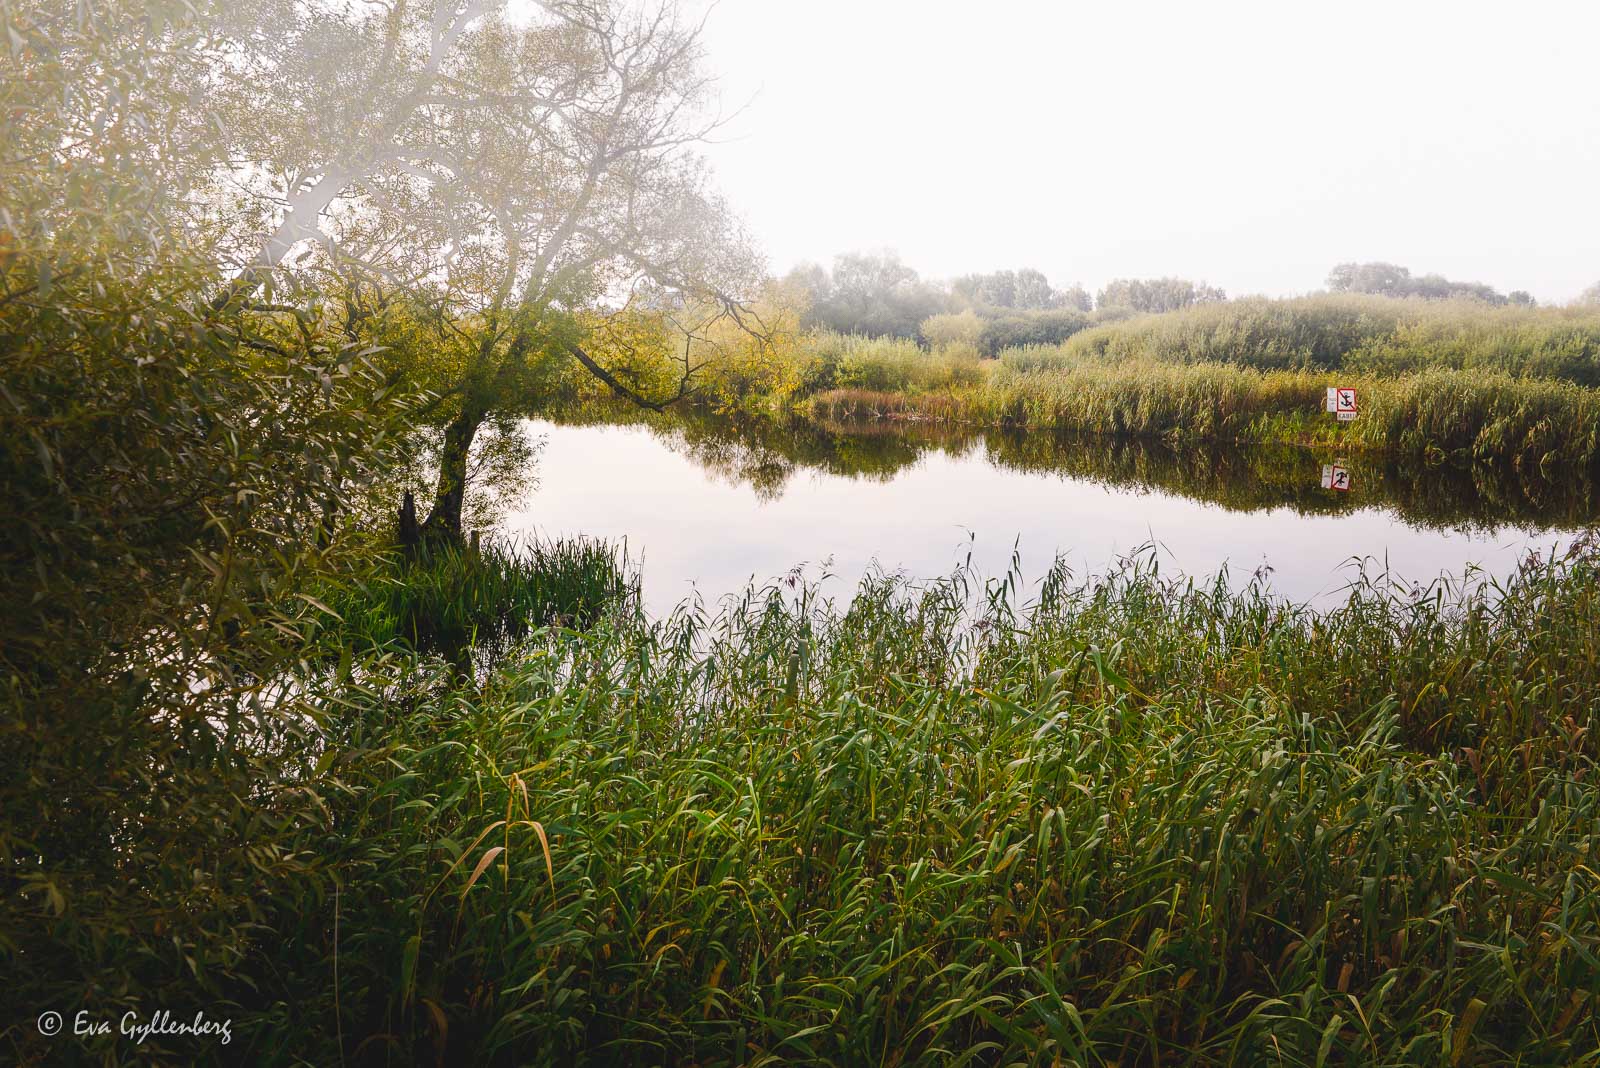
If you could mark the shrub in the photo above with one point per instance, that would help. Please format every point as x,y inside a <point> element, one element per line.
<point>1361,333</point>
<point>1029,328</point>
<point>952,330</point>
<point>850,361</point>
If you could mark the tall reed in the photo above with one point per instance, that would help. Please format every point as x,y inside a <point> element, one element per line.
<point>450,598</point>
<point>1375,335</point>
<point>1433,414</point>
<point>1140,820</point>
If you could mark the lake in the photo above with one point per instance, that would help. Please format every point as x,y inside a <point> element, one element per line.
<point>710,505</point>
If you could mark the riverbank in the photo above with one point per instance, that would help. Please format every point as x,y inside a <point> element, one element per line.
<point>1149,820</point>
<point>1434,415</point>
<point>1137,818</point>
<point>1434,381</point>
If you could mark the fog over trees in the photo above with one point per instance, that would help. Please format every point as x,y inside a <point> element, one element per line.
<point>1026,289</point>
<point>1392,280</point>
<point>875,294</point>
<point>1157,294</point>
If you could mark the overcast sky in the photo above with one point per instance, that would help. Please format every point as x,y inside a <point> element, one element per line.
<point>1250,144</point>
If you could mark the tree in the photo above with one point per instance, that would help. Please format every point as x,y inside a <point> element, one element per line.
<point>527,181</point>
<point>1380,279</point>
<point>180,478</point>
<point>1033,292</point>
<point>1026,289</point>
<point>869,293</point>
<point>978,290</point>
<point>371,90</point>
<point>1076,298</point>
<point>1590,297</point>
<point>1157,294</point>
<point>620,222</point>
<point>213,215</point>
<point>1392,280</point>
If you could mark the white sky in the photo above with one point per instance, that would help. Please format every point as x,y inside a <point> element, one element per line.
<point>1250,144</point>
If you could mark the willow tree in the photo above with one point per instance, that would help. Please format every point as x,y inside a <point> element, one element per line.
<point>531,181</point>
<point>599,211</point>
<point>169,469</point>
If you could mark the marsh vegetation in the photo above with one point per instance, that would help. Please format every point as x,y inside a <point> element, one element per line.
<point>1140,817</point>
<point>286,736</point>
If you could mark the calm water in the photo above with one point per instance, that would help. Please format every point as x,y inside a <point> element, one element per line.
<point>710,506</point>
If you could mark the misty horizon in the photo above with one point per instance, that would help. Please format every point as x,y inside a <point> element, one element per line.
<point>1252,147</point>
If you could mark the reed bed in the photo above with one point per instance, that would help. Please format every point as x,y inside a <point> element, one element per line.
<point>1137,820</point>
<point>1365,334</point>
<point>1437,379</point>
<point>1434,414</point>
<point>884,364</point>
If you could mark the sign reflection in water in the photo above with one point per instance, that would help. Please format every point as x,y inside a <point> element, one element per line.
<point>711,507</point>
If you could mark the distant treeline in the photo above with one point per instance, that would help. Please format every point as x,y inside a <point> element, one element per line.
<point>876,295</point>
<point>1392,280</point>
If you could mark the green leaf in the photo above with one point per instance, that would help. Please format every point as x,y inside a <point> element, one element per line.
<point>1329,1033</point>
<point>408,968</point>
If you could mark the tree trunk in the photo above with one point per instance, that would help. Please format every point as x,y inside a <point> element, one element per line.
<point>443,525</point>
<point>409,534</point>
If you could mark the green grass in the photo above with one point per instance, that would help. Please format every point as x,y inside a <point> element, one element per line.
<point>1141,820</point>
<point>449,599</point>
<point>1433,414</point>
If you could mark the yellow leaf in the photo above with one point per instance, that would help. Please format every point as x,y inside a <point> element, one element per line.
<point>483,862</point>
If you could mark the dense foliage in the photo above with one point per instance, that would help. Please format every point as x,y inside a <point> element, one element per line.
<point>221,324</point>
<point>178,475</point>
<point>467,804</point>
<point>1143,819</point>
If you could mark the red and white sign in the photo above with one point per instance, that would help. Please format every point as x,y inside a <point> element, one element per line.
<point>1336,477</point>
<point>1342,402</point>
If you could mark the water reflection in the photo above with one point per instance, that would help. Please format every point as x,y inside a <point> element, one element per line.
<point>766,456</point>
<point>713,502</point>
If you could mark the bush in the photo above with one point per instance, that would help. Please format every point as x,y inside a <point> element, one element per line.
<point>180,474</point>
<point>850,361</point>
<point>1371,334</point>
<point>1029,328</point>
<point>952,330</point>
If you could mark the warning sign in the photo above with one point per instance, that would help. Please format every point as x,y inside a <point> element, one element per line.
<point>1342,402</point>
<point>1335,477</point>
